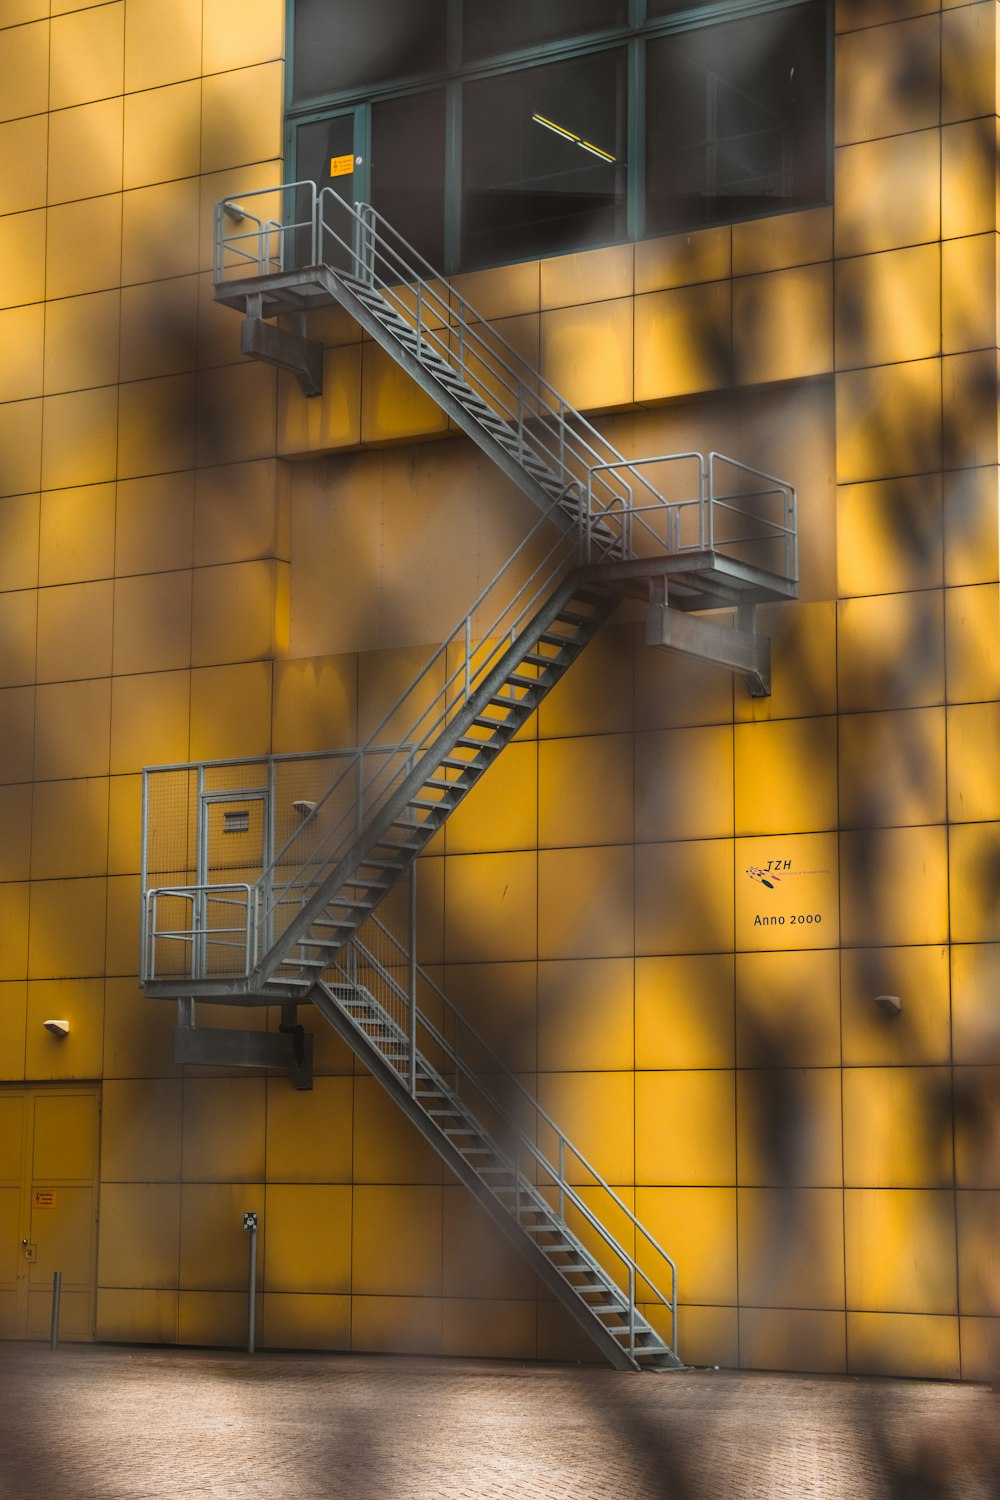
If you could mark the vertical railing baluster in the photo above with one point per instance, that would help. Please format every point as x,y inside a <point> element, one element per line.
<point>413,982</point>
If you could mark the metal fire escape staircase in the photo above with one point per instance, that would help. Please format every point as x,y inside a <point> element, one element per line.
<point>683,532</point>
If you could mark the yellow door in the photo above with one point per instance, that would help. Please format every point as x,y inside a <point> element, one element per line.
<point>48,1209</point>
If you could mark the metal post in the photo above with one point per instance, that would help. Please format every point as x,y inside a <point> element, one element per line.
<point>562,1176</point>
<point>56,1296</point>
<point>413,983</point>
<point>250,1224</point>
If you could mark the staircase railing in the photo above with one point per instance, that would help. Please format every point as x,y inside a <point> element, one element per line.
<point>541,1157</point>
<point>591,515</point>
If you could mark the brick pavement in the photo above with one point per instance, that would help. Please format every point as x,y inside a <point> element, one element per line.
<point>112,1423</point>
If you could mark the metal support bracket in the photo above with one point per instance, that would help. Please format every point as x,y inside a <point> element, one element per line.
<point>290,1049</point>
<point>288,348</point>
<point>740,648</point>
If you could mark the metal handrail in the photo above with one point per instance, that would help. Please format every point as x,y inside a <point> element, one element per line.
<point>199,932</point>
<point>524,1140</point>
<point>597,487</point>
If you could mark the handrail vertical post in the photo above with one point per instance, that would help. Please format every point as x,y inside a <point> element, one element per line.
<point>631,1309</point>
<point>413,982</point>
<point>468,657</point>
<point>562,1176</point>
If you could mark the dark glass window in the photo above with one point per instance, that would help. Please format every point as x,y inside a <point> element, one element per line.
<point>344,44</point>
<point>490,29</point>
<point>732,124</point>
<point>498,130</point>
<point>407,169</point>
<point>543,166</point>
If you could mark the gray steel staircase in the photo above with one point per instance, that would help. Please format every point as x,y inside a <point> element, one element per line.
<point>521,1168</point>
<point>671,529</point>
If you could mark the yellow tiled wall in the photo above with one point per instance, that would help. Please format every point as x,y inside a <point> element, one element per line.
<point>172,586</point>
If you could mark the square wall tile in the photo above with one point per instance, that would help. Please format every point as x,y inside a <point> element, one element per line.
<point>968,177</point>
<point>683,341</point>
<point>156,431</point>
<point>596,694</point>
<point>69,834</point>
<point>72,729</point>
<point>684,1011</point>
<point>149,720</point>
<point>904,1346</point>
<point>22,248</point>
<point>141,1130</point>
<point>901,1252</point>
<point>894,886</point>
<point>697,1228</point>
<point>152,624</point>
<point>977,1127</point>
<point>587,353</point>
<point>683,259</point>
<point>585,902</point>
<point>703,1152</point>
<point>21,337</point>
<point>788,1128</point>
<point>162,134</point>
<point>213,1247</point>
<point>897,1127</point>
<point>154,523</point>
<point>888,307</point>
<point>160,47</point>
<point>387,1146</point>
<point>889,535</point>
<point>585,793</point>
<point>74,631</point>
<point>793,1339</point>
<point>85,151</point>
<point>24,69</point>
<point>782,240</point>
<point>891,651</point>
<point>974,763</point>
<point>87,55</point>
<point>18,542</point>
<point>147,252</point>
<point>889,421</point>
<point>969,272</point>
<point>231,134</point>
<point>783,325</point>
<point>159,328</point>
<point>803,662</point>
<point>969,386</point>
<point>595,1111</point>
<point>307,1245</point>
<point>791,1247</point>
<point>140,1227</point>
<point>888,80</point>
<point>397,1241</point>
<point>892,768</point>
<point>310,1134</point>
<point>787,1009</point>
<point>76,535</point>
<point>315,704</point>
<point>66,941</point>
<point>920,1032</point>
<point>684,897</point>
<point>978,1236</point>
<point>500,1001</point>
<point>501,811</point>
<point>975,861</point>
<point>83,247</point>
<point>230,711</point>
<point>786,776</point>
<point>973,643</point>
<point>683,783</point>
<point>866,221</point>
<point>786,892</point>
<point>79,438</point>
<point>971,531</point>
<point>223,1130</point>
<point>490,907</point>
<point>975,971</point>
<point>585,1015</point>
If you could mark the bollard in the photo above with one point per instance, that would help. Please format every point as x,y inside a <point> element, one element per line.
<point>56,1295</point>
<point>250,1224</point>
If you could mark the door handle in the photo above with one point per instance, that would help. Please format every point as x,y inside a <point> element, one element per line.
<point>30,1251</point>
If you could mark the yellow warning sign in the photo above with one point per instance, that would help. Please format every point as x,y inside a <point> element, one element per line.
<point>44,1198</point>
<point>341,166</point>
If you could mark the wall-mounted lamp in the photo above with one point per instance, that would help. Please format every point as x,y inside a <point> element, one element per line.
<point>57,1028</point>
<point>889,1005</point>
<point>304,808</point>
<point>234,212</point>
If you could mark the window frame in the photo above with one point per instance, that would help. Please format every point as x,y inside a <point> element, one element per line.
<point>632,34</point>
